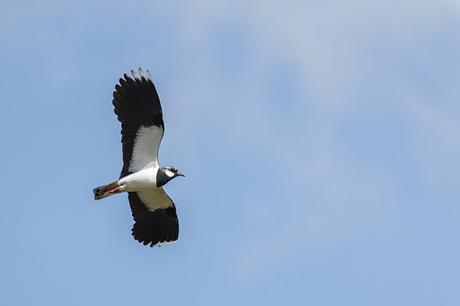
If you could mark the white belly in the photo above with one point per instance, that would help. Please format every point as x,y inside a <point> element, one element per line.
<point>145,178</point>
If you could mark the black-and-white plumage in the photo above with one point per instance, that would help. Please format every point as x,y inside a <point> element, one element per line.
<point>138,108</point>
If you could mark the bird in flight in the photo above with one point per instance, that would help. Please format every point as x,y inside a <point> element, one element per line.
<point>138,109</point>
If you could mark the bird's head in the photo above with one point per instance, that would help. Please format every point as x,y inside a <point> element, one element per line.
<point>165,174</point>
<point>172,172</point>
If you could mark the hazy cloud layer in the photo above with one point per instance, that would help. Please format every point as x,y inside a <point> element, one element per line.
<point>320,142</point>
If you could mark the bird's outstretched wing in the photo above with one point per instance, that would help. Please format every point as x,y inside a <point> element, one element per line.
<point>138,108</point>
<point>155,217</point>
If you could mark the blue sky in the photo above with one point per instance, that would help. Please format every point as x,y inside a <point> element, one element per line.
<point>320,141</point>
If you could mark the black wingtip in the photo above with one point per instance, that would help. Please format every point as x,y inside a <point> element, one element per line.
<point>166,236</point>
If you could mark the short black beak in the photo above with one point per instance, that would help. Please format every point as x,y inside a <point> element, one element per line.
<point>180,174</point>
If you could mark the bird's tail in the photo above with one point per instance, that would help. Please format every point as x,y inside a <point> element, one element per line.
<point>106,190</point>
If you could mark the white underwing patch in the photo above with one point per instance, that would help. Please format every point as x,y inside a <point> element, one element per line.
<point>145,150</point>
<point>155,198</point>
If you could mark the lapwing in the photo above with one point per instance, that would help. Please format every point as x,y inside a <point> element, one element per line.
<point>137,106</point>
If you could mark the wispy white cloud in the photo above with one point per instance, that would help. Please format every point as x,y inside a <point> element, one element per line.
<point>305,128</point>
<point>344,55</point>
